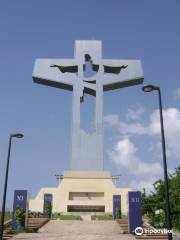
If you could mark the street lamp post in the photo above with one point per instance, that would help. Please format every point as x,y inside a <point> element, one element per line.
<point>150,88</point>
<point>16,135</point>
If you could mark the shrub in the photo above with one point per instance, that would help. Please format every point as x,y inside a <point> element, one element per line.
<point>102,217</point>
<point>19,216</point>
<point>69,217</point>
<point>47,209</point>
<point>118,213</point>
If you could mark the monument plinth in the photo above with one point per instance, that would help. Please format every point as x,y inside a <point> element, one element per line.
<point>83,191</point>
<point>86,73</point>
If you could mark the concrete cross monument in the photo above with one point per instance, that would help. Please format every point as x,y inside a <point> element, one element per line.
<point>87,73</point>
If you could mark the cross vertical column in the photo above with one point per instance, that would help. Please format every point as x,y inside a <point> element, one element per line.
<point>87,148</point>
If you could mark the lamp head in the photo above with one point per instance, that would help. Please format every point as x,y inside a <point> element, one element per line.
<point>17,135</point>
<point>149,88</point>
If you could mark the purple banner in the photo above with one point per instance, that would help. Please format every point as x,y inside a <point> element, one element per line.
<point>48,197</point>
<point>20,208</point>
<point>116,205</point>
<point>135,211</point>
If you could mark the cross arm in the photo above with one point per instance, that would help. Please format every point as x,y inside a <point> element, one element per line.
<point>128,76</point>
<point>44,73</point>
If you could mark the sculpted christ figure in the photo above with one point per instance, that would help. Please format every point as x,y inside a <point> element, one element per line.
<point>89,76</point>
<point>87,73</point>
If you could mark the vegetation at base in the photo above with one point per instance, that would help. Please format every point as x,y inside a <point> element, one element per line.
<point>118,213</point>
<point>19,216</point>
<point>153,205</point>
<point>8,216</point>
<point>17,231</point>
<point>103,217</point>
<point>66,217</point>
<point>35,214</point>
<point>31,230</point>
<point>47,209</point>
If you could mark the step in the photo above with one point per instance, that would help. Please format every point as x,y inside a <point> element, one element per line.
<point>151,237</point>
<point>122,221</point>
<point>148,238</point>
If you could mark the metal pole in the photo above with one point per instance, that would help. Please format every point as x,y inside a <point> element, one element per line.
<point>5,191</point>
<point>166,183</point>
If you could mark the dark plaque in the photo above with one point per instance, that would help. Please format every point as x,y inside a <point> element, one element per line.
<point>135,211</point>
<point>20,209</point>
<point>47,204</point>
<point>116,205</point>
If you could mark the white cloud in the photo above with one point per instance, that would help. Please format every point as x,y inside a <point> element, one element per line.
<point>112,120</point>
<point>123,127</point>
<point>152,128</point>
<point>172,129</point>
<point>140,184</point>
<point>177,93</point>
<point>124,155</point>
<point>134,113</point>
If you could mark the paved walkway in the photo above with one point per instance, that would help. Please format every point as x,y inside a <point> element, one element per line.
<point>77,230</point>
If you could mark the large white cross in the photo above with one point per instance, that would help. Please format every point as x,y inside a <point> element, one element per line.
<point>73,75</point>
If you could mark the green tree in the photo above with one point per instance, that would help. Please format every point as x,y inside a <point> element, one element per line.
<point>118,213</point>
<point>153,205</point>
<point>47,209</point>
<point>20,216</point>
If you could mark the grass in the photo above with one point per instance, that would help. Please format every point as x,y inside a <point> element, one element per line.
<point>104,217</point>
<point>67,217</point>
<point>17,231</point>
<point>8,216</point>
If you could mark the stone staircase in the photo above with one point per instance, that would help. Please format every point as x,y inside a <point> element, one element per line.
<point>7,230</point>
<point>123,223</point>
<point>35,223</point>
<point>151,236</point>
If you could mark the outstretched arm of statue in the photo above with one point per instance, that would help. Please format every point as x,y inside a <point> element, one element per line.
<point>64,69</point>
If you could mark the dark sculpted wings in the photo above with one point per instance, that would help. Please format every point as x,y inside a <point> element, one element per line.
<point>95,67</point>
<point>115,70</point>
<point>108,69</point>
<point>64,69</point>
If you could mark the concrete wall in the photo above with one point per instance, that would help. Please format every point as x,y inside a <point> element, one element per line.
<point>82,182</point>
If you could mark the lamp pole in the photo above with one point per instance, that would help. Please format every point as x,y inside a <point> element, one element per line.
<point>16,135</point>
<point>150,88</point>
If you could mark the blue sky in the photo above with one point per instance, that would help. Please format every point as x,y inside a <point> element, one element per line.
<point>146,30</point>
